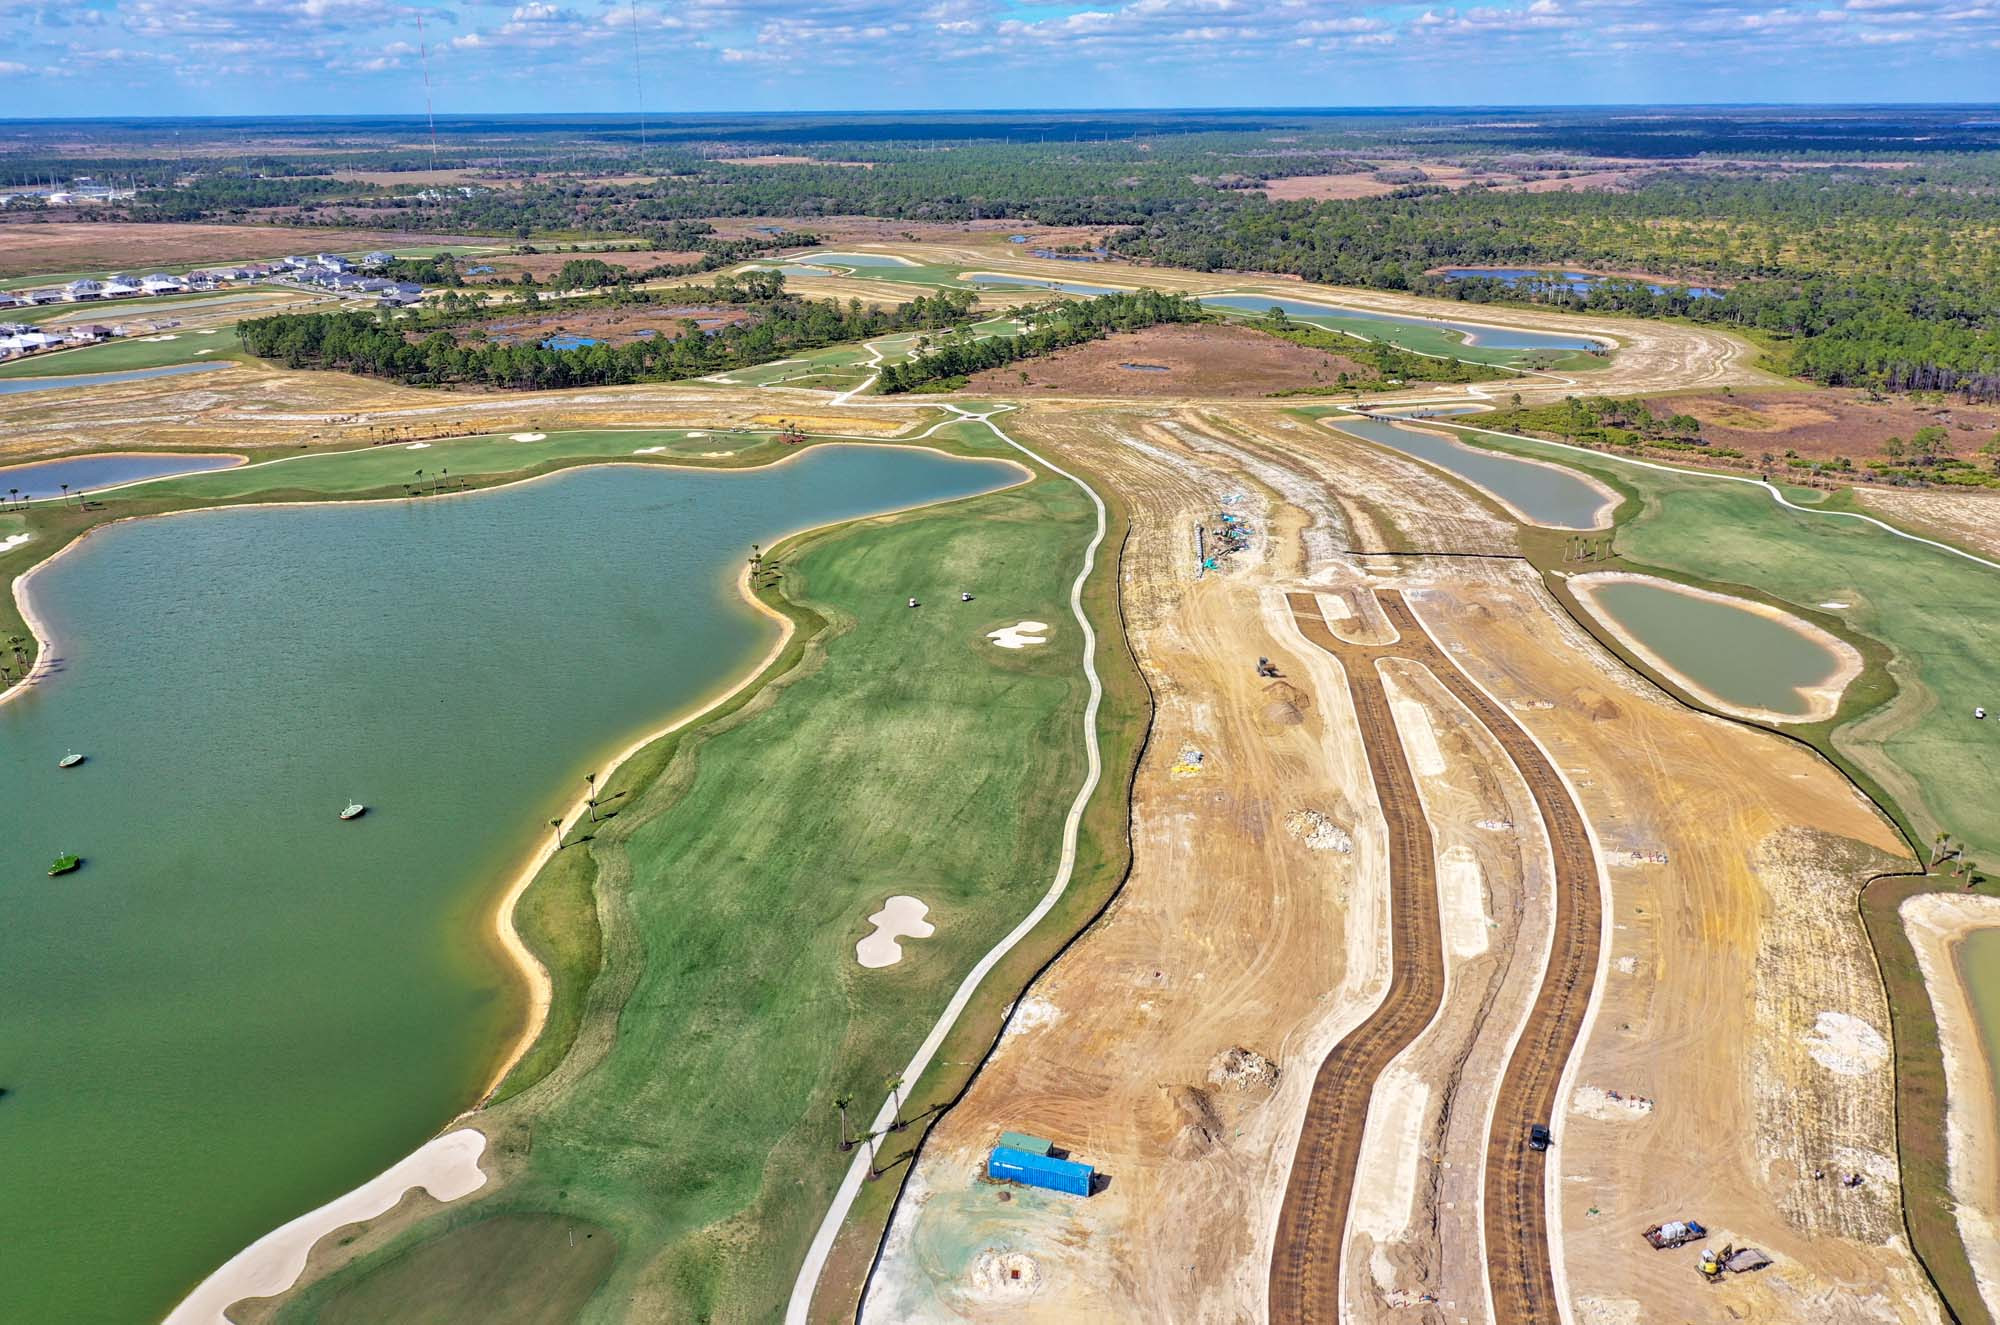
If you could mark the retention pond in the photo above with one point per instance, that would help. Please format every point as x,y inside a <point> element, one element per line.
<point>1738,655</point>
<point>87,473</point>
<point>240,1006</point>
<point>1542,493</point>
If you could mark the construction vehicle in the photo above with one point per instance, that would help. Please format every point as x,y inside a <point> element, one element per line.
<point>1264,667</point>
<point>1673,1233</point>
<point>1539,1138</point>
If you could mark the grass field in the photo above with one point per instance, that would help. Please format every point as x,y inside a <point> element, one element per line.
<point>694,1118</point>
<point>1937,614</point>
<point>390,467</point>
<point>132,352</point>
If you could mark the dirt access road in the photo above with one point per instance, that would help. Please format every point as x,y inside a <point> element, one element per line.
<point>1305,1266</point>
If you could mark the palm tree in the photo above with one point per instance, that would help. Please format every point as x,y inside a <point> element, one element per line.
<point>557,825</point>
<point>896,1100</point>
<point>590,801</point>
<point>841,1102</point>
<point>65,492</point>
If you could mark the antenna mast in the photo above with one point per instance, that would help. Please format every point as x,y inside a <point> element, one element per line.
<point>424,53</point>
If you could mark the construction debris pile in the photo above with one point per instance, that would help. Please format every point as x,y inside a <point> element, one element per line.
<point>1318,832</point>
<point>1212,542</point>
<point>1242,1069</point>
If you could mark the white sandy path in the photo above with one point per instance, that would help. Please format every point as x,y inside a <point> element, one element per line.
<point>1019,635</point>
<point>1462,892</point>
<point>447,1167</point>
<point>798,1309</point>
<point>1935,923</point>
<point>901,917</point>
<point>1385,1183</point>
<point>1413,722</point>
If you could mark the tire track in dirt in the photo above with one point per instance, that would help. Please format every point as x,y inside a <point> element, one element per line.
<point>1312,1226</point>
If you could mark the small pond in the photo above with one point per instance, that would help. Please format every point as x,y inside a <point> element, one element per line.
<point>1582,282</point>
<point>1357,320</point>
<point>1545,494</point>
<point>85,473</point>
<point>15,386</point>
<point>1039,283</point>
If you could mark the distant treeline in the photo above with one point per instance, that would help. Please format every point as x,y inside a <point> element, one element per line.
<point>424,352</point>
<point>1049,327</point>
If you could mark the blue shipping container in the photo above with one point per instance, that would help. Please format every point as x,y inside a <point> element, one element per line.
<point>1057,1175</point>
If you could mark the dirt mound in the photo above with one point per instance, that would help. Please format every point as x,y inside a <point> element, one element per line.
<point>1200,1126</point>
<point>1003,1276</point>
<point>1242,1069</point>
<point>1598,707</point>
<point>1285,704</point>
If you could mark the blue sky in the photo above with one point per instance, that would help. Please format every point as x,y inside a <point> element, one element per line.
<point>68,57</point>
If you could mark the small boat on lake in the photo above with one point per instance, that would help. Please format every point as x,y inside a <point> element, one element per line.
<point>354,811</point>
<point>65,864</point>
<point>70,760</point>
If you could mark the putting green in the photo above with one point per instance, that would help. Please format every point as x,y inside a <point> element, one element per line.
<point>694,1119</point>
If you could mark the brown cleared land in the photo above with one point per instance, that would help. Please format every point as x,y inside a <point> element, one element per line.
<point>1830,422</point>
<point>33,249</point>
<point>1211,362</point>
<point>1312,1224</point>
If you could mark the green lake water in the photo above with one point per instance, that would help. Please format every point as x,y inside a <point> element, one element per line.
<point>1740,655</point>
<point>241,1007</point>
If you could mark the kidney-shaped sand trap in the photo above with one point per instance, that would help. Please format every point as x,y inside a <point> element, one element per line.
<point>900,917</point>
<point>527,437</point>
<point>1020,635</point>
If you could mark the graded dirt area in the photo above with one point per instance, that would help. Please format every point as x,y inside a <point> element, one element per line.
<point>989,235</point>
<point>1829,422</point>
<point>1969,518</point>
<point>1731,1051</point>
<point>29,249</point>
<point>1211,362</point>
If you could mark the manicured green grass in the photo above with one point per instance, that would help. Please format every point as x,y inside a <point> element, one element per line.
<point>903,753</point>
<point>388,468</point>
<point>122,355</point>
<point>524,1269</point>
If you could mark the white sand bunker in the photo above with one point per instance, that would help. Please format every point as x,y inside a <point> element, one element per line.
<point>527,437</point>
<point>1846,1044</point>
<point>1020,635</point>
<point>418,446</point>
<point>447,1167</point>
<point>649,450</point>
<point>11,542</point>
<point>900,917</point>
<point>150,340</point>
<point>1318,832</point>
<point>205,333</point>
<point>204,351</point>
<point>1003,1276</point>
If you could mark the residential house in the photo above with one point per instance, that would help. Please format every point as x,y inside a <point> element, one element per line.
<point>161,283</point>
<point>27,342</point>
<point>120,287</point>
<point>76,291</point>
<point>378,258</point>
<point>332,262</point>
<point>88,333</point>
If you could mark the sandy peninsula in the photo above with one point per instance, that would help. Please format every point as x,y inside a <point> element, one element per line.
<point>1936,923</point>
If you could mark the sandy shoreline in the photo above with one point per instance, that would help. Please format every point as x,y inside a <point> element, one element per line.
<point>1936,923</point>
<point>1822,700</point>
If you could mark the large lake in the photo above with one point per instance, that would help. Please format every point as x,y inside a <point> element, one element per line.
<point>241,1007</point>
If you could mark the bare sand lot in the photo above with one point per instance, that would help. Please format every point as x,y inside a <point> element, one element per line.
<point>28,249</point>
<point>1969,518</point>
<point>1737,997</point>
<point>1211,362</point>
